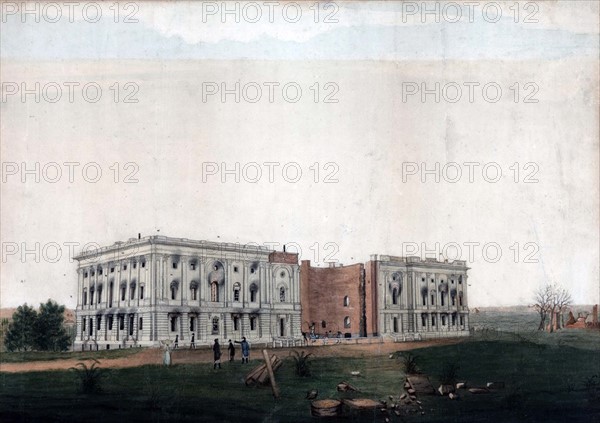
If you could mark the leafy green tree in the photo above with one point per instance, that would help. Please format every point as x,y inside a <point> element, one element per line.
<point>21,332</point>
<point>50,334</point>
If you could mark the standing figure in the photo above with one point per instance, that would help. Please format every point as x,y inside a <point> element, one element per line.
<point>217,354</point>
<point>167,356</point>
<point>193,342</point>
<point>231,349</point>
<point>245,349</point>
<point>176,344</point>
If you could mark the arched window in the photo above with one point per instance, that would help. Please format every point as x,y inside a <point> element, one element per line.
<point>141,292</point>
<point>132,291</point>
<point>395,324</point>
<point>346,322</point>
<point>282,294</point>
<point>123,291</point>
<point>99,295</point>
<point>236,292</point>
<point>460,299</point>
<point>253,292</point>
<point>214,292</point>
<point>110,294</point>
<point>346,301</point>
<point>395,296</point>
<point>432,298</point>
<point>91,295</point>
<point>424,320</point>
<point>84,297</point>
<point>323,324</point>
<point>442,295</point>
<point>215,325</point>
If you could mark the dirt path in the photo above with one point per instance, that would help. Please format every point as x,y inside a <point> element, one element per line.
<point>204,355</point>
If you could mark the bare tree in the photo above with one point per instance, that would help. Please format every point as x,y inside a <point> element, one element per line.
<point>549,301</point>
<point>561,299</point>
<point>542,303</point>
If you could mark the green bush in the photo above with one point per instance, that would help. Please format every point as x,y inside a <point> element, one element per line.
<point>409,363</point>
<point>89,377</point>
<point>301,362</point>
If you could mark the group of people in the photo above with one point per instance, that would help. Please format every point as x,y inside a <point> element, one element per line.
<point>231,349</point>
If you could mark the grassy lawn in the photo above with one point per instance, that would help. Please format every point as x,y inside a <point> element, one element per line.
<point>21,357</point>
<point>543,383</point>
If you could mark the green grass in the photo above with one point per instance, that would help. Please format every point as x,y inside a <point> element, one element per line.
<point>21,357</point>
<point>543,383</point>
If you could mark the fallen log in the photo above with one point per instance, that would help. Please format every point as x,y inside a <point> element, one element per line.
<point>263,378</point>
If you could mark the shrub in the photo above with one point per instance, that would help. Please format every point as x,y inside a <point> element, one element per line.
<point>89,377</point>
<point>409,363</point>
<point>301,363</point>
<point>449,375</point>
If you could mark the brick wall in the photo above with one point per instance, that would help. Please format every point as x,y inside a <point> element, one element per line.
<point>322,293</point>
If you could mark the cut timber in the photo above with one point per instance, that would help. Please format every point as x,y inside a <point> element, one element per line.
<point>260,374</point>
<point>325,408</point>
<point>421,384</point>
<point>274,386</point>
<point>362,403</point>
<point>263,378</point>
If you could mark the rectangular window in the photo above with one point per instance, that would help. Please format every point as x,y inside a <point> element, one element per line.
<point>84,297</point>
<point>236,323</point>
<point>93,273</point>
<point>124,267</point>
<point>85,274</point>
<point>192,324</point>
<point>236,295</point>
<point>173,324</point>
<point>424,300</point>
<point>112,270</point>
<point>253,323</point>
<point>143,264</point>
<point>83,321</point>
<point>132,293</point>
<point>134,265</point>
<point>462,320</point>
<point>174,265</point>
<point>110,322</point>
<point>443,320</point>
<point>91,327</point>
<point>432,299</point>
<point>121,322</point>
<point>235,269</point>
<point>91,297</point>
<point>123,293</point>
<point>100,271</point>
<point>98,321</point>
<point>141,292</point>
<point>442,300</point>
<point>141,323</point>
<point>193,266</point>
<point>454,320</point>
<point>131,325</point>
<point>423,320</point>
<point>433,320</point>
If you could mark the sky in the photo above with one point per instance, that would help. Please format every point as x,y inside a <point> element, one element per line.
<point>327,145</point>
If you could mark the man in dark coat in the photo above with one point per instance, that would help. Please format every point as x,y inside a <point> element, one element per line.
<point>245,349</point>
<point>217,354</point>
<point>231,349</point>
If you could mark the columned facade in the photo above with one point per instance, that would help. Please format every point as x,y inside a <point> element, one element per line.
<point>426,297</point>
<point>157,288</point>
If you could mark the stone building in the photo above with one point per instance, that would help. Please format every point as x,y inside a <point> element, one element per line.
<point>156,288</point>
<point>415,296</point>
